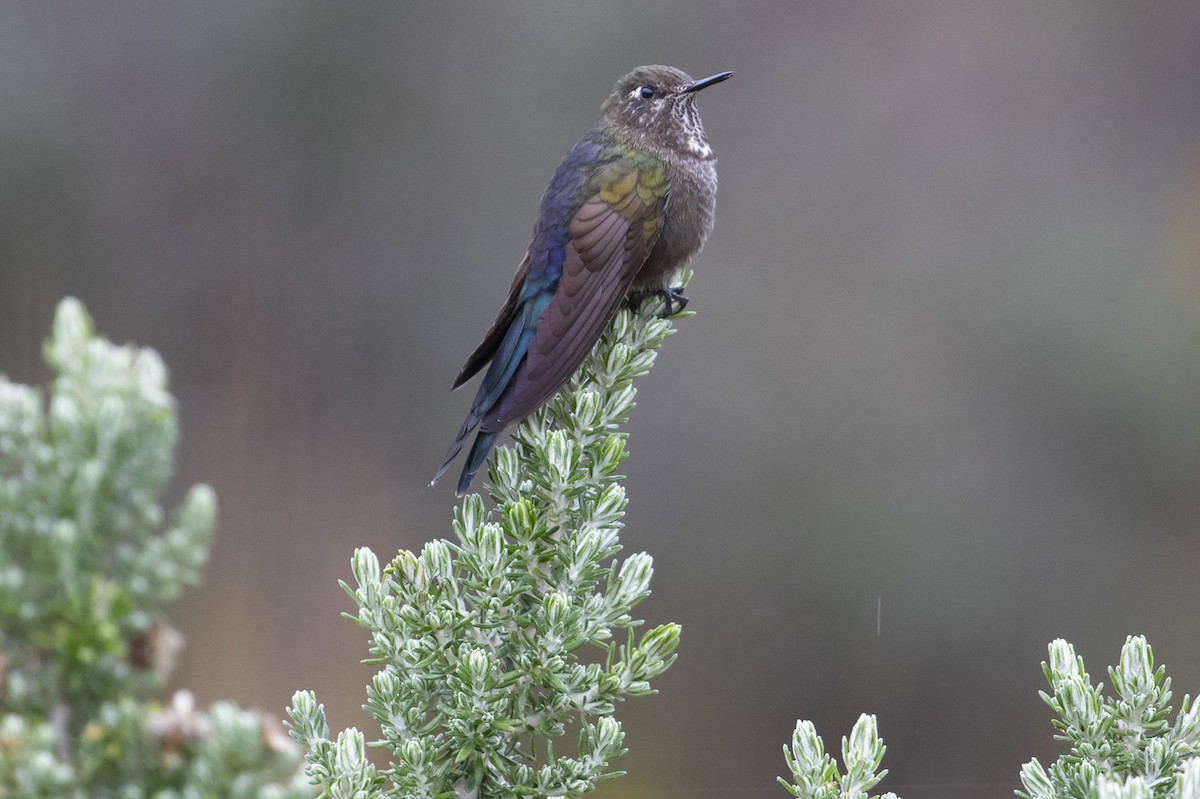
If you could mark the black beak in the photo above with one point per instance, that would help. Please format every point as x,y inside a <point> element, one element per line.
<point>702,84</point>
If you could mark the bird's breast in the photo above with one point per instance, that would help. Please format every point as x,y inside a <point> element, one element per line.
<point>686,223</point>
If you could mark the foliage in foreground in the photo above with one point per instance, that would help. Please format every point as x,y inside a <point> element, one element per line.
<point>491,647</point>
<point>497,645</point>
<point>86,565</point>
<point>815,774</point>
<point>1123,746</point>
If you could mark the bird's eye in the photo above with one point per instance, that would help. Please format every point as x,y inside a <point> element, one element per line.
<point>647,92</point>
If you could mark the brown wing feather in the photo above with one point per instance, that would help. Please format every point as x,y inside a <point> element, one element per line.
<point>606,252</point>
<point>495,334</point>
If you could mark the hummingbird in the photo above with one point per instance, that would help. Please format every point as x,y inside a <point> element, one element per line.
<point>627,208</point>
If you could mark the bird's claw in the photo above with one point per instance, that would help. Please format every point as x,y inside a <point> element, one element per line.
<point>673,300</point>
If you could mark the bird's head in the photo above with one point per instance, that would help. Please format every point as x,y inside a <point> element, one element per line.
<point>655,106</point>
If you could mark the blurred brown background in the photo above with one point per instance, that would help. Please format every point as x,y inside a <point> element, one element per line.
<point>945,357</point>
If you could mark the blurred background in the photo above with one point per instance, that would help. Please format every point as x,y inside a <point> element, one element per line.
<point>946,361</point>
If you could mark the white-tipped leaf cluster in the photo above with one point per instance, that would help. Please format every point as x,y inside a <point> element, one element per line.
<point>1122,746</point>
<point>503,653</point>
<point>815,774</point>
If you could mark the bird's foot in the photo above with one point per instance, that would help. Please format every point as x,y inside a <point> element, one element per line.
<point>673,300</point>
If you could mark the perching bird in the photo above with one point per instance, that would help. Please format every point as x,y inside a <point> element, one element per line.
<point>630,203</point>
